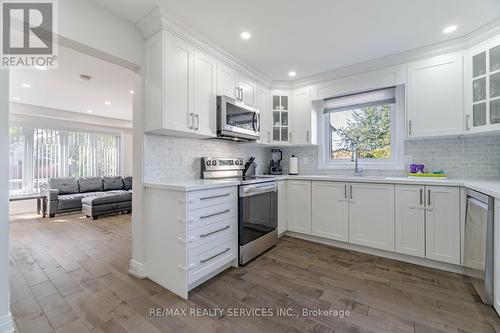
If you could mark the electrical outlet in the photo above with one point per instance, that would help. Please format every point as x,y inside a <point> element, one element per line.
<point>408,159</point>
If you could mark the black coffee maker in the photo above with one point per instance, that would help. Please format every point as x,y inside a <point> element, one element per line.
<point>275,163</point>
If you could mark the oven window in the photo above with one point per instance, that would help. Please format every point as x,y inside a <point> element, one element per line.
<point>258,216</point>
<point>239,117</point>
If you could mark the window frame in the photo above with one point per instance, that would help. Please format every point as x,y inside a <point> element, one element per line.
<point>396,162</point>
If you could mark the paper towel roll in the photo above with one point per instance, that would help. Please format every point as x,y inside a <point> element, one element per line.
<point>293,165</point>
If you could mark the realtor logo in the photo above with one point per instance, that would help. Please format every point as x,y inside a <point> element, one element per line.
<point>28,38</point>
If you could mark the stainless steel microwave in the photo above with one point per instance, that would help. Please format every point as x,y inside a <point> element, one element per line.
<point>236,120</point>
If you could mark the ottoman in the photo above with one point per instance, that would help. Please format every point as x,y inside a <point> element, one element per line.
<point>96,206</point>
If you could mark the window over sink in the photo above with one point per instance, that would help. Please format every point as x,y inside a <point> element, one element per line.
<point>371,122</point>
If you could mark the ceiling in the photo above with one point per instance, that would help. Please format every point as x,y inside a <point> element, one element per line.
<point>314,36</point>
<point>63,89</point>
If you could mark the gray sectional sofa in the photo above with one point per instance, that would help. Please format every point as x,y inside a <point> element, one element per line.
<point>93,196</point>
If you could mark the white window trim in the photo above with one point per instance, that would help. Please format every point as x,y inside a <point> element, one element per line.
<point>396,162</point>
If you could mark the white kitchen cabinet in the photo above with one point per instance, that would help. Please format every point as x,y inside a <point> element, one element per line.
<point>233,84</point>
<point>280,117</point>
<point>301,117</point>
<point>180,88</point>
<point>263,105</point>
<point>282,207</point>
<point>205,70</point>
<point>330,210</point>
<point>248,91</point>
<point>496,284</point>
<point>482,87</point>
<point>435,96</point>
<point>442,218</point>
<point>410,220</point>
<point>371,215</point>
<point>299,206</point>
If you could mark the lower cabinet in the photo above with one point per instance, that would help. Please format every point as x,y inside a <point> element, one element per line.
<point>330,210</point>
<point>496,284</point>
<point>371,215</point>
<point>299,206</point>
<point>282,207</point>
<point>442,224</point>
<point>410,220</point>
<point>428,222</point>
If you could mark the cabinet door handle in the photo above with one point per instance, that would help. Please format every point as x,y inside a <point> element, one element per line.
<point>421,197</point>
<point>192,120</point>
<point>214,214</point>
<point>429,197</point>
<point>214,256</point>
<point>350,188</point>
<point>345,191</point>
<point>467,117</point>
<point>307,137</point>
<point>290,137</point>
<point>215,231</point>
<point>237,93</point>
<point>268,136</point>
<point>216,196</point>
<point>409,127</point>
<point>197,116</point>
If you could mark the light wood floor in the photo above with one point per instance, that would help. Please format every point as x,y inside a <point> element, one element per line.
<point>69,275</point>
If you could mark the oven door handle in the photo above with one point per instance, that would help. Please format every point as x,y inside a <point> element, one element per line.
<point>258,190</point>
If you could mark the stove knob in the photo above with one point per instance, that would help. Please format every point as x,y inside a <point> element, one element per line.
<point>208,163</point>
<point>214,162</point>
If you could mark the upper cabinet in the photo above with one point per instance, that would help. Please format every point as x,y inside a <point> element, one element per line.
<point>263,105</point>
<point>180,87</point>
<point>233,84</point>
<point>434,96</point>
<point>483,87</point>
<point>280,117</point>
<point>302,117</point>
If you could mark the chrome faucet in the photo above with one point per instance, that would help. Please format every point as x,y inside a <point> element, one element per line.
<point>355,158</point>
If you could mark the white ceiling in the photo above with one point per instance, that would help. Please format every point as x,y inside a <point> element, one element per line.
<point>63,88</point>
<point>314,36</point>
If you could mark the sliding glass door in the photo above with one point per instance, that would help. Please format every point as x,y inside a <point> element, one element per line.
<point>37,154</point>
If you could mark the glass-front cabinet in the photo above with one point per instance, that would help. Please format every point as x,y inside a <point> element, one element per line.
<point>483,87</point>
<point>280,118</point>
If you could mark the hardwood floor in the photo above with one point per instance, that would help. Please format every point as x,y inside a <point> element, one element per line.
<point>69,274</point>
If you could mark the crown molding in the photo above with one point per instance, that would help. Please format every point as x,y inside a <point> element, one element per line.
<point>158,19</point>
<point>477,36</point>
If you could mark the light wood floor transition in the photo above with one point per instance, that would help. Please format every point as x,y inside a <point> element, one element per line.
<point>69,274</point>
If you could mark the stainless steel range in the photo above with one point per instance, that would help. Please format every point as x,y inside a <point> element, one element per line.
<point>257,204</point>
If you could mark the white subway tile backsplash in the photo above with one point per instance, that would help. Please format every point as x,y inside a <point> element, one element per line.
<point>167,158</point>
<point>171,158</point>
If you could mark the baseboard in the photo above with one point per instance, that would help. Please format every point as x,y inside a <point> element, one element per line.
<point>6,324</point>
<point>380,253</point>
<point>137,269</point>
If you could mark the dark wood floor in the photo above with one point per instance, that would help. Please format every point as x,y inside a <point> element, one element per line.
<point>69,274</point>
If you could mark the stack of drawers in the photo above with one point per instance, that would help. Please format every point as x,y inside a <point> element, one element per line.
<point>212,235</point>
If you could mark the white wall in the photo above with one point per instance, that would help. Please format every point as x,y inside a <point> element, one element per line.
<point>127,154</point>
<point>89,24</point>
<point>5,316</point>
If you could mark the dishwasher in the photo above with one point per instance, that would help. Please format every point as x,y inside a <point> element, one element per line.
<point>478,243</point>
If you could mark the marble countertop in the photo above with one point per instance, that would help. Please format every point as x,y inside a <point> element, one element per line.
<point>491,188</point>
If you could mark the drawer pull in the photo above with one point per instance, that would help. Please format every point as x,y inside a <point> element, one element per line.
<point>215,214</point>
<point>215,231</point>
<point>216,196</point>
<point>214,256</point>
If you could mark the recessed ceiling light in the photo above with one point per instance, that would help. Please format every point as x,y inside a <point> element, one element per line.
<point>25,85</point>
<point>107,103</point>
<point>41,68</point>
<point>131,92</point>
<point>89,111</point>
<point>15,98</point>
<point>292,73</point>
<point>449,29</point>
<point>245,35</point>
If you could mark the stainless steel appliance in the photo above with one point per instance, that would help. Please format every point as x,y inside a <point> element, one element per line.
<point>257,204</point>
<point>275,163</point>
<point>478,243</point>
<point>237,121</point>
